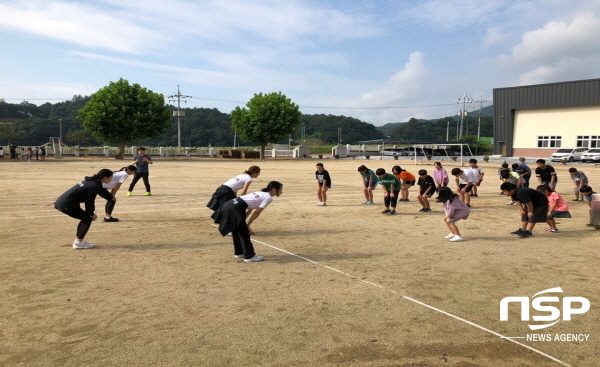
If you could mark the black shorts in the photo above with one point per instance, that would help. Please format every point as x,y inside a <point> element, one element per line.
<point>409,183</point>
<point>540,215</point>
<point>462,186</point>
<point>430,194</point>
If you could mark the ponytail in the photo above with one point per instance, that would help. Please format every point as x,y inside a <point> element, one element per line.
<point>252,170</point>
<point>103,173</point>
<point>273,185</point>
<point>131,168</point>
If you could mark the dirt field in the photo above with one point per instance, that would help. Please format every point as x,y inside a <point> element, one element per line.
<point>341,285</point>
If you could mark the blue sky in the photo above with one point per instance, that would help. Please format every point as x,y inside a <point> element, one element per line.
<point>379,61</point>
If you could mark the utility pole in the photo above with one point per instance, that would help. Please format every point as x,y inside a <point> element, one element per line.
<point>479,119</point>
<point>60,131</point>
<point>179,113</point>
<point>464,100</point>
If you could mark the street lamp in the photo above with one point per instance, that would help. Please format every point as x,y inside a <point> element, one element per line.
<point>60,130</point>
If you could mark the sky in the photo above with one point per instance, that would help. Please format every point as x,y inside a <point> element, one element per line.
<point>378,61</point>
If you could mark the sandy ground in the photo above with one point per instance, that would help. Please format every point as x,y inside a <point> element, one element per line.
<point>341,285</point>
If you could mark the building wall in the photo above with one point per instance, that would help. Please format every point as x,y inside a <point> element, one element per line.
<point>513,102</point>
<point>568,123</point>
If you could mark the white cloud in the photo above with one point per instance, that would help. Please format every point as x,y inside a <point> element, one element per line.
<point>404,85</point>
<point>494,35</point>
<point>557,40</point>
<point>80,24</point>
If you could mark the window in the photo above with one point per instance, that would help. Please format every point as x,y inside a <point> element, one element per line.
<point>588,141</point>
<point>549,141</point>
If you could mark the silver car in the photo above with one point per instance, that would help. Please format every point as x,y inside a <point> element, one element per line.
<point>570,154</point>
<point>592,155</point>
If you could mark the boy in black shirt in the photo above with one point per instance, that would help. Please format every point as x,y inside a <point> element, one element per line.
<point>532,204</point>
<point>546,174</point>
<point>426,189</point>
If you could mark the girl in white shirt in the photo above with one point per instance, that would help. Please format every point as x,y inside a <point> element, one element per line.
<point>232,215</point>
<point>117,180</point>
<point>229,189</point>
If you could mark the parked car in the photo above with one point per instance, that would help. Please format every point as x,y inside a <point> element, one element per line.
<point>570,154</point>
<point>592,155</point>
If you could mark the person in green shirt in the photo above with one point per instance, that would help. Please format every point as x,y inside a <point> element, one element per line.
<point>391,189</point>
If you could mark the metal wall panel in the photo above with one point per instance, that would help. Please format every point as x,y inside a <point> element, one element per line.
<point>564,94</point>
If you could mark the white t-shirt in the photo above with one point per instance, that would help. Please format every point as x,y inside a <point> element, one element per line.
<point>117,177</point>
<point>469,176</point>
<point>259,199</point>
<point>238,181</point>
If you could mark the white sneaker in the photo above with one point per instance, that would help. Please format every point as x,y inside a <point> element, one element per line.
<point>449,236</point>
<point>456,238</point>
<point>366,202</point>
<point>82,245</point>
<point>254,259</point>
<point>239,256</point>
<point>320,203</point>
<point>370,203</point>
<point>323,204</point>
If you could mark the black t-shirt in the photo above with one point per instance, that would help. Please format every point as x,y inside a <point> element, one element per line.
<point>323,176</point>
<point>546,173</point>
<point>425,183</point>
<point>526,195</point>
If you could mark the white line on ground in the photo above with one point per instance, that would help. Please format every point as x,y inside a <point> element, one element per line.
<point>417,302</point>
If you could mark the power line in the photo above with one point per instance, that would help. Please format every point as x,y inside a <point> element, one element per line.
<point>178,113</point>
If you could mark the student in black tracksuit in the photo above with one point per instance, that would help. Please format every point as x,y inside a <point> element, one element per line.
<point>232,215</point>
<point>84,192</point>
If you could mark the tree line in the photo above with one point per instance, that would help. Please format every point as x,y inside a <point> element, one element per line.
<point>27,123</point>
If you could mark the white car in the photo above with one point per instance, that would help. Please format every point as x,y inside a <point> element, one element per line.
<point>592,155</point>
<point>570,154</point>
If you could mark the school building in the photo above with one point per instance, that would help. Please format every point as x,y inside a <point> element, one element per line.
<point>536,120</point>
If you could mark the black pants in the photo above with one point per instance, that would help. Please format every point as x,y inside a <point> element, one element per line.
<point>136,178</point>
<point>110,205</point>
<point>241,241</point>
<point>85,220</point>
<point>391,201</point>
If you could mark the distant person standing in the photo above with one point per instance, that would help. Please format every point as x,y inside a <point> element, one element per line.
<point>391,190</point>
<point>479,171</point>
<point>426,190</point>
<point>407,180</point>
<point>546,174</point>
<point>323,184</point>
<point>43,152</point>
<point>369,180</point>
<point>37,153</point>
<point>579,180</point>
<point>141,162</point>
<point>84,192</point>
<point>440,175</point>
<point>13,151</point>
<point>1,153</point>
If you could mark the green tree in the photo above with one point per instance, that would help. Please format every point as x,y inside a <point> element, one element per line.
<point>10,132</point>
<point>79,137</point>
<point>121,113</point>
<point>268,118</point>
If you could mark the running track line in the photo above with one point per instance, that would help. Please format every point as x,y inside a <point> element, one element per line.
<point>417,302</point>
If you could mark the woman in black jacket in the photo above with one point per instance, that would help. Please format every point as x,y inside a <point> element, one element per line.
<point>84,192</point>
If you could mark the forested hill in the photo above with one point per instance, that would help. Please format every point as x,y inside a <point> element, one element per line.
<point>28,124</point>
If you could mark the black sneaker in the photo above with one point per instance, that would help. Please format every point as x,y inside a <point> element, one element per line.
<point>427,210</point>
<point>385,211</point>
<point>392,212</point>
<point>111,219</point>
<point>423,210</point>
<point>525,234</point>
<point>473,195</point>
<point>517,231</point>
